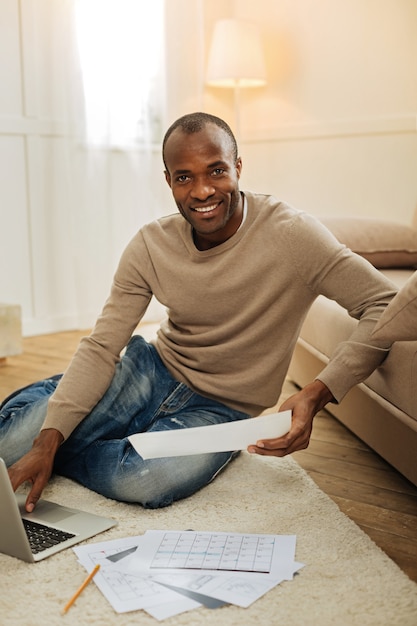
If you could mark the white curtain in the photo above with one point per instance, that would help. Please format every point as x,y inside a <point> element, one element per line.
<point>97,72</point>
<point>121,52</point>
<point>121,56</point>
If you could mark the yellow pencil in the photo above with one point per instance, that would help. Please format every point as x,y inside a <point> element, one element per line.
<point>83,586</point>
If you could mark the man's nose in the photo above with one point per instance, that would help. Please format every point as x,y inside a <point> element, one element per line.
<point>202,188</point>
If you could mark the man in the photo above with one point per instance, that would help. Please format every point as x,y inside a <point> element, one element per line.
<point>237,273</point>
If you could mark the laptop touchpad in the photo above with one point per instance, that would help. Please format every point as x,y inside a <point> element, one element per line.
<point>50,512</point>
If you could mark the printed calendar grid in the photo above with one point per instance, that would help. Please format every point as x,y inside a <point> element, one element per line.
<point>244,553</point>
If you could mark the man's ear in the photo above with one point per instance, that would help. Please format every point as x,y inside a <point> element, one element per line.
<point>238,166</point>
<point>168,177</point>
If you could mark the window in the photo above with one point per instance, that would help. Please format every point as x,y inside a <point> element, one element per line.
<point>121,49</point>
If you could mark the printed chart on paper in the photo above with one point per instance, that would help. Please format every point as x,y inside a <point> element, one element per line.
<point>243,553</point>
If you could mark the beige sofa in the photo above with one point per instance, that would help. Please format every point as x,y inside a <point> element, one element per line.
<point>382,411</point>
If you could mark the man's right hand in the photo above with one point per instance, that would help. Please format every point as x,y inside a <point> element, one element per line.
<point>36,466</point>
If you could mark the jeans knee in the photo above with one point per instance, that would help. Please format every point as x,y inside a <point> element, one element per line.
<point>157,500</point>
<point>148,484</point>
<point>19,425</point>
<point>157,483</point>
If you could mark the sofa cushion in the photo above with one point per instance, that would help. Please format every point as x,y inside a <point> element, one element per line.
<point>327,324</point>
<point>384,243</point>
<point>399,320</point>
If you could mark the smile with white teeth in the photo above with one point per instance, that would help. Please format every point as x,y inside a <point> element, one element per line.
<point>204,209</point>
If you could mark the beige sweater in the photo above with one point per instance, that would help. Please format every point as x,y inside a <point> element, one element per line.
<point>234,311</point>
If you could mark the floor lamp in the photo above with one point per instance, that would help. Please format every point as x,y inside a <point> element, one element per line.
<point>236,60</point>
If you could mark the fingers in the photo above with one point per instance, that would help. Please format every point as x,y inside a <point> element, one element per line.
<point>304,405</point>
<point>280,447</point>
<point>17,475</point>
<point>37,465</point>
<point>297,439</point>
<point>34,470</point>
<point>34,495</point>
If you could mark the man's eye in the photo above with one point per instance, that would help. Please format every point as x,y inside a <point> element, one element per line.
<point>182,179</point>
<point>218,171</point>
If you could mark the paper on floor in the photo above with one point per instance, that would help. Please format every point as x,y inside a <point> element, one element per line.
<point>130,582</point>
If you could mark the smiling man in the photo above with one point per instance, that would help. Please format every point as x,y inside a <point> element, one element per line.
<point>237,273</point>
<point>203,173</point>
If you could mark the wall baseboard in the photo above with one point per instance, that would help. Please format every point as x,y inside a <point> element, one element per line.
<point>45,326</point>
<point>86,320</point>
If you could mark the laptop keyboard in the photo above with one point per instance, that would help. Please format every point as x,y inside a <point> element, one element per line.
<point>42,537</point>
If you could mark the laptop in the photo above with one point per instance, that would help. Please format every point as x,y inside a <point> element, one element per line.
<point>49,529</point>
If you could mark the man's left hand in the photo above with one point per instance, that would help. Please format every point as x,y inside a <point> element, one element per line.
<point>304,405</point>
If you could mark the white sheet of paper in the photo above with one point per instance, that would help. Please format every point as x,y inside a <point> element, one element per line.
<point>169,609</point>
<point>217,438</point>
<point>241,591</point>
<point>234,554</point>
<point>129,592</point>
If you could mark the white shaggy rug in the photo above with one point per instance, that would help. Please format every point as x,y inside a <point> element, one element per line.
<point>347,579</point>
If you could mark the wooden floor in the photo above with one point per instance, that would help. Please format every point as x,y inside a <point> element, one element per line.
<point>364,486</point>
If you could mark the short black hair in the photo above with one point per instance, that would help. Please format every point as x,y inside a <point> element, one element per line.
<point>194,123</point>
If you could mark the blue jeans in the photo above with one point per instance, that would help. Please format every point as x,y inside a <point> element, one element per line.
<point>143,396</point>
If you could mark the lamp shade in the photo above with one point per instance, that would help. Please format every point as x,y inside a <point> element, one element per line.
<point>236,57</point>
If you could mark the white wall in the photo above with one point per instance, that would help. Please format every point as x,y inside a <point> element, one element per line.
<point>334,131</point>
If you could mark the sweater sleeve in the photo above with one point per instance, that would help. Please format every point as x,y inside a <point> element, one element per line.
<point>341,275</point>
<point>92,367</point>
